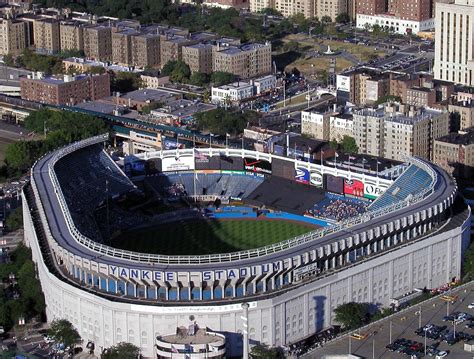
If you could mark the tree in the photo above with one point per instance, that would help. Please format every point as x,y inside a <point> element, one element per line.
<point>352,315</point>
<point>199,79</point>
<point>63,331</point>
<point>343,18</point>
<point>8,60</point>
<point>262,351</point>
<point>326,19</point>
<point>270,11</point>
<point>14,221</point>
<point>221,122</point>
<point>220,78</point>
<point>178,71</point>
<point>333,144</point>
<point>125,82</point>
<point>349,145</point>
<point>122,351</point>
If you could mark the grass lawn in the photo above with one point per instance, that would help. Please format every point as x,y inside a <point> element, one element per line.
<point>309,65</point>
<point>209,236</point>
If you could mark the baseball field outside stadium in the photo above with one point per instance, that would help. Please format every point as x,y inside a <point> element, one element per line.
<point>209,236</point>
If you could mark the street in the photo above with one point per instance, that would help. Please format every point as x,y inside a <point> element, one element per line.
<point>403,326</point>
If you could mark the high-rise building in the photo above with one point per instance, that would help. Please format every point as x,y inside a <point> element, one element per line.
<point>47,38</point>
<point>293,7</point>
<point>66,90</point>
<point>330,8</point>
<point>245,61</point>
<point>122,46</point>
<point>454,42</point>
<point>455,153</point>
<point>418,10</point>
<point>13,36</point>
<point>146,50</point>
<point>198,57</point>
<point>259,5</point>
<point>71,35</point>
<point>98,42</point>
<point>466,112</point>
<point>395,131</point>
<point>369,7</point>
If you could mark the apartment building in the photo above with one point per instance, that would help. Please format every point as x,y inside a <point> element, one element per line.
<point>71,36</point>
<point>466,112</point>
<point>417,10</point>
<point>316,124</point>
<point>245,61</point>
<point>331,8</point>
<point>171,46</point>
<point>292,7</point>
<point>369,7</point>
<point>198,57</point>
<point>455,153</point>
<point>146,50</point>
<point>454,42</point>
<point>341,125</point>
<point>13,37</point>
<point>227,4</point>
<point>98,42</point>
<point>259,5</point>
<point>362,86</point>
<point>395,131</point>
<point>421,96</point>
<point>122,46</point>
<point>65,90</point>
<point>46,34</point>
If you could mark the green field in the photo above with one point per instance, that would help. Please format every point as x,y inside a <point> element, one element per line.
<point>210,236</point>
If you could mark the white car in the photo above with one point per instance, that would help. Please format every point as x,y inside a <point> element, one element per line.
<point>471,306</point>
<point>441,354</point>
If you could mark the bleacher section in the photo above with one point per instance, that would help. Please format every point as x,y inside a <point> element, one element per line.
<point>223,185</point>
<point>86,177</point>
<point>337,208</point>
<point>413,180</point>
<point>285,195</point>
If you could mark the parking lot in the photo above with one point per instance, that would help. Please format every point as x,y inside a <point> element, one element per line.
<point>402,327</point>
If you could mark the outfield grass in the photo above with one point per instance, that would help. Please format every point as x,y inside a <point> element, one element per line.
<point>210,236</point>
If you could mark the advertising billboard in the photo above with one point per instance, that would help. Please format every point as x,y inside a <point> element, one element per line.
<point>171,164</point>
<point>316,178</point>
<point>334,184</point>
<point>354,187</point>
<point>257,166</point>
<point>302,175</point>
<point>372,191</point>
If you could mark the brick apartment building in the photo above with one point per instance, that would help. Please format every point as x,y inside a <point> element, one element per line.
<point>66,90</point>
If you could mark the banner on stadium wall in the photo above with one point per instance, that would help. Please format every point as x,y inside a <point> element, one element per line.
<point>302,175</point>
<point>170,164</point>
<point>230,172</point>
<point>334,184</point>
<point>257,166</point>
<point>207,172</point>
<point>354,187</point>
<point>372,191</point>
<point>134,166</point>
<point>316,178</point>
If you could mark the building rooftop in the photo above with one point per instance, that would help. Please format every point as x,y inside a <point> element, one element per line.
<point>200,46</point>
<point>234,85</point>
<point>150,95</point>
<point>184,108</point>
<point>182,337</point>
<point>252,46</point>
<point>466,104</point>
<point>464,138</point>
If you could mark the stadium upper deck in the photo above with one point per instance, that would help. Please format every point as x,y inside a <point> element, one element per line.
<point>329,240</point>
<point>414,241</point>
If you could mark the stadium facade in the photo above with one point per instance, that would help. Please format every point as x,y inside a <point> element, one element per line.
<point>412,236</point>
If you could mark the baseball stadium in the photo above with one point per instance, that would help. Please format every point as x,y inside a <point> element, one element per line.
<point>233,245</point>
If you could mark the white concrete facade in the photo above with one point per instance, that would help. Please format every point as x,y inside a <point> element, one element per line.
<point>276,321</point>
<point>398,26</point>
<point>454,42</point>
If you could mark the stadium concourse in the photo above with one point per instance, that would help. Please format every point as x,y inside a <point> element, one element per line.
<point>373,238</point>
